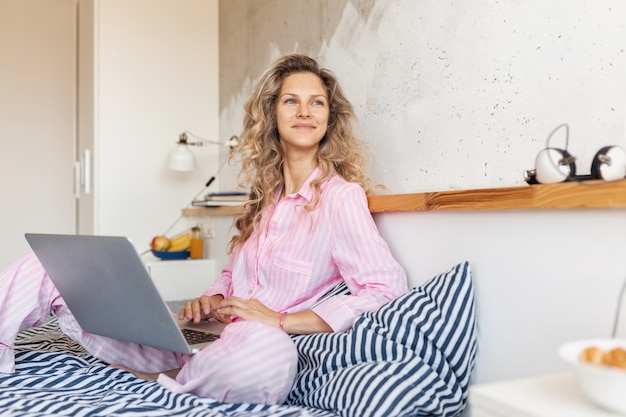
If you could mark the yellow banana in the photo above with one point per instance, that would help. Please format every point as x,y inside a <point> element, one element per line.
<point>180,242</point>
<point>184,236</point>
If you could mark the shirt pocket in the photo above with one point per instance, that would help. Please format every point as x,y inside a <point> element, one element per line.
<point>294,275</point>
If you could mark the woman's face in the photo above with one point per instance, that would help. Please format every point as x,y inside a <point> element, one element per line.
<point>302,112</point>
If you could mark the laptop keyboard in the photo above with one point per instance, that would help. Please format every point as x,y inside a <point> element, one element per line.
<point>194,337</point>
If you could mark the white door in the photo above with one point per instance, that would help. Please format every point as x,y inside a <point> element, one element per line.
<point>148,70</point>
<point>37,121</point>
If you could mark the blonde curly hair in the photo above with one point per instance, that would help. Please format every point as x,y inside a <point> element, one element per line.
<point>261,154</point>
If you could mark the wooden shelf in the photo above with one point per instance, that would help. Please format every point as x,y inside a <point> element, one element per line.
<point>569,195</point>
<point>212,211</point>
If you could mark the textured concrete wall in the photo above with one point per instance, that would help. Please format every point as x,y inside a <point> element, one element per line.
<point>450,95</point>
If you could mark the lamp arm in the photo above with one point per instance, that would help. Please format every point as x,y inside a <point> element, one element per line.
<point>231,143</point>
<point>212,179</point>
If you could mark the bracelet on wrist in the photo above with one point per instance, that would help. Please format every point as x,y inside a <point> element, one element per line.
<point>281,322</point>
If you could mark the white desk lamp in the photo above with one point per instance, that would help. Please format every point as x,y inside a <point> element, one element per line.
<point>182,159</point>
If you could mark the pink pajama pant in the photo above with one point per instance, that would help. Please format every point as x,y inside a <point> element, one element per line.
<point>251,362</point>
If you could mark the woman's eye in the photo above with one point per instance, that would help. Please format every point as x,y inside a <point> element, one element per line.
<point>319,103</point>
<point>290,101</point>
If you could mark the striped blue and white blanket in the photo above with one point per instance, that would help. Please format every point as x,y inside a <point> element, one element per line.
<point>411,358</point>
<point>56,377</point>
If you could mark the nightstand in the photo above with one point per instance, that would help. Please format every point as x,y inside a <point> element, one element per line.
<point>547,396</point>
<point>178,280</point>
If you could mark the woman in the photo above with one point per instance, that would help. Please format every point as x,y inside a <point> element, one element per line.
<point>306,229</point>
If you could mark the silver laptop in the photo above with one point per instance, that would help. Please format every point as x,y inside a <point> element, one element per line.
<point>108,289</point>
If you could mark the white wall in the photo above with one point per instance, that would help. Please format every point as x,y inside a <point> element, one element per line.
<point>452,95</point>
<point>462,95</point>
<point>542,278</point>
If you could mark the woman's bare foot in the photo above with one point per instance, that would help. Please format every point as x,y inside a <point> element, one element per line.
<point>148,376</point>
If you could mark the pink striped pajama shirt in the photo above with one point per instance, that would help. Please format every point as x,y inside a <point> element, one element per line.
<point>300,255</point>
<point>297,257</point>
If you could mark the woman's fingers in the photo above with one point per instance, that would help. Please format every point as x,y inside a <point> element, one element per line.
<point>231,302</point>
<point>251,309</point>
<point>196,309</point>
<point>225,310</point>
<point>205,305</point>
<point>185,312</point>
<point>232,306</point>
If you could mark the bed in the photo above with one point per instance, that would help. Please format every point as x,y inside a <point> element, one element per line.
<point>413,357</point>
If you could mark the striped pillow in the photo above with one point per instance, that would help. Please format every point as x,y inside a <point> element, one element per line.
<point>412,357</point>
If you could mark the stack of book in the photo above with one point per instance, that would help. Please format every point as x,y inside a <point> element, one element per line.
<point>226,198</point>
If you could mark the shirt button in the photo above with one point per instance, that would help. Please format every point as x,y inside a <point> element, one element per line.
<point>250,291</point>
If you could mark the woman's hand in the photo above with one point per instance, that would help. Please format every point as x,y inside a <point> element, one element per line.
<point>303,322</point>
<point>252,310</point>
<point>203,307</point>
<point>226,310</point>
